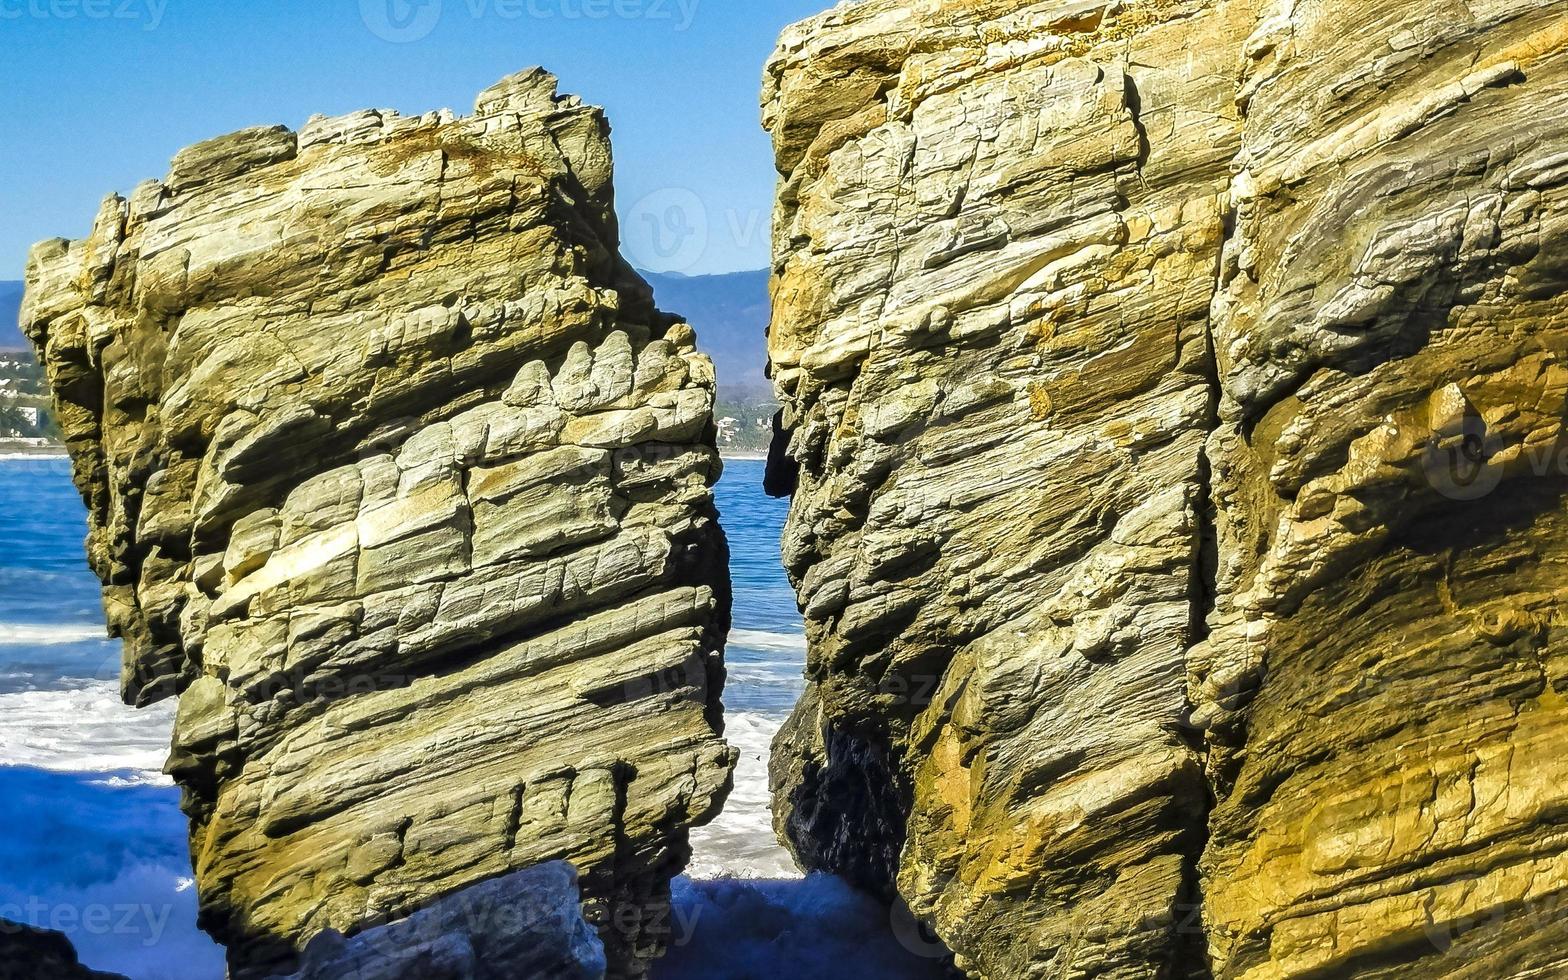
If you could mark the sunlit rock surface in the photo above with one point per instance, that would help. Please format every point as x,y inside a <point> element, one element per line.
<point>1382,691</point>
<point>1174,393</point>
<point>396,473</point>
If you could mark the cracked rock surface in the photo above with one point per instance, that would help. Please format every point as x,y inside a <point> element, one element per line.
<point>396,475</point>
<point>1174,400</point>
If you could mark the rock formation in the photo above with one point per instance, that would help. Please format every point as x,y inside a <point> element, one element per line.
<point>524,925</point>
<point>1174,405</point>
<point>27,953</point>
<point>395,472</point>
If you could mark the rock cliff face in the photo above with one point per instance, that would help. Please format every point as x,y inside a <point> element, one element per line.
<point>1174,401</point>
<point>396,473</point>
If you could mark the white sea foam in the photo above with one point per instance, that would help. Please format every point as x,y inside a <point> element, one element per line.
<point>768,641</point>
<point>85,728</point>
<point>740,843</point>
<point>20,634</point>
<point>768,673</point>
<point>18,457</point>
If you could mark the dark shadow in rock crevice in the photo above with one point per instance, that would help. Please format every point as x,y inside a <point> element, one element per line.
<point>819,928</point>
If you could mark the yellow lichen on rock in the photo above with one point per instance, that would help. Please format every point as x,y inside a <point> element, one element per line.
<point>1237,591</point>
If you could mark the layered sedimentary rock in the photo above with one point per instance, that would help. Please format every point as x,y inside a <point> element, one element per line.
<point>1174,398</point>
<point>995,266</point>
<point>395,472</point>
<point>1383,686</point>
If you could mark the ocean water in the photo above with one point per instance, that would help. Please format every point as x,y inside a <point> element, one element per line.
<point>766,658</point>
<point>92,841</point>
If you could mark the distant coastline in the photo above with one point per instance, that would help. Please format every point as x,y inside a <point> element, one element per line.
<point>31,449</point>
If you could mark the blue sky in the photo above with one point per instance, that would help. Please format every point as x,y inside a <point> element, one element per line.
<point>99,94</point>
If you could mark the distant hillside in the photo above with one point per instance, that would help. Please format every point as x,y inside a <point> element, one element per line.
<point>730,313</point>
<point>10,312</point>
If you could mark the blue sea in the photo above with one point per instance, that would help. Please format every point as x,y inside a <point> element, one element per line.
<point>92,841</point>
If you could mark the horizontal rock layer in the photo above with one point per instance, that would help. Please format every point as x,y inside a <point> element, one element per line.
<point>397,474</point>
<point>1174,401</point>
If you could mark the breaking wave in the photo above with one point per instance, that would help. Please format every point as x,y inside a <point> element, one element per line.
<point>13,634</point>
<point>766,641</point>
<point>86,728</point>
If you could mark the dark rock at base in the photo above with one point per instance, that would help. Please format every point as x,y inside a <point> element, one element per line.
<point>526,924</point>
<point>27,953</point>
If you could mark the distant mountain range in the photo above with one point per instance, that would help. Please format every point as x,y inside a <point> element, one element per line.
<point>10,312</point>
<point>730,313</point>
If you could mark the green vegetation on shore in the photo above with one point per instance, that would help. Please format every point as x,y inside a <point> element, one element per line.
<point>745,420</point>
